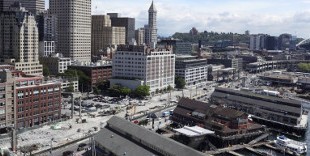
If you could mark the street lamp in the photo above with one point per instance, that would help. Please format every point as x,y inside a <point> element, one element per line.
<point>51,151</point>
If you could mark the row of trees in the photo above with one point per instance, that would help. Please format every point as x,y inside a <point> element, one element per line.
<point>209,38</point>
<point>118,90</point>
<point>304,67</point>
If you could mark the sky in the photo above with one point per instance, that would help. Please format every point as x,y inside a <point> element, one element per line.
<point>272,17</point>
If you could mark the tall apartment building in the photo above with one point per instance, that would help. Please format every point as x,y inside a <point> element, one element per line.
<point>19,42</point>
<point>139,65</point>
<point>152,25</point>
<point>193,71</point>
<point>74,28</point>
<point>7,100</point>
<point>104,35</point>
<point>128,23</point>
<point>140,36</point>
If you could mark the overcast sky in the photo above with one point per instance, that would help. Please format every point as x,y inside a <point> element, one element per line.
<point>259,16</point>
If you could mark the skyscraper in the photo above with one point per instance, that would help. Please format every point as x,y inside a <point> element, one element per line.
<point>74,28</point>
<point>104,35</point>
<point>19,43</point>
<point>128,23</point>
<point>152,26</point>
<point>34,6</point>
<point>140,36</point>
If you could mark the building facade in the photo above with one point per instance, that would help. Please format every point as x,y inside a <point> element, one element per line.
<point>7,100</point>
<point>146,66</point>
<point>128,23</point>
<point>140,36</point>
<point>193,71</point>
<point>56,63</point>
<point>74,28</point>
<point>98,72</point>
<point>179,47</point>
<point>34,6</point>
<point>19,43</point>
<point>104,35</point>
<point>37,102</point>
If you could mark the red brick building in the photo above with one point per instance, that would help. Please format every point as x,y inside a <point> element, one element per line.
<point>97,72</point>
<point>37,102</point>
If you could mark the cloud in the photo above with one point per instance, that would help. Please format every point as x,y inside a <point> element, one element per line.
<point>259,16</point>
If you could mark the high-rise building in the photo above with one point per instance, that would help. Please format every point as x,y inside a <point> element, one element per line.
<point>5,5</point>
<point>104,35</point>
<point>140,36</point>
<point>152,25</point>
<point>128,23</point>
<point>74,28</point>
<point>50,33</point>
<point>34,6</point>
<point>138,65</point>
<point>19,42</point>
<point>272,43</point>
<point>285,41</point>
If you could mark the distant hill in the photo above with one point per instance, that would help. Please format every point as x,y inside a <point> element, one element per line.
<point>210,38</point>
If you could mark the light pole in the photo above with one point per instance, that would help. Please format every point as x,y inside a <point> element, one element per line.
<point>51,151</point>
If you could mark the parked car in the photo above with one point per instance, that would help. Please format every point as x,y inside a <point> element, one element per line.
<point>82,146</point>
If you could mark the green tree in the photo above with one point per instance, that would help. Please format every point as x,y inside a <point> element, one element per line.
<point>304,67</point>
<point>84,80</point>
<point>70,88</point>
<point>169,88</point>
<point>118,90</point>
<point>142,91</point>
<point>179,82</point>
<point>96,90</point>
<point>46,71</point>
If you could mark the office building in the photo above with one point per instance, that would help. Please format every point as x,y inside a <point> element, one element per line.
<point>33,6</point>
<point>271,43</point>
<point>37,102</point>
<point>104,35</point>
<point>193,71</point>
<point>56,63</point>
<point>152,26</point>
<point>19,43</point>
<point>139,65</point>
<point>179,47</point>
<point>5,5</point>
<point>47,48</point>
<point>121,137</point>
<point>128,23</point>
<point>285,42</point>
<point>98,72</point>
<point>140,36</point>
<point>74,28</point>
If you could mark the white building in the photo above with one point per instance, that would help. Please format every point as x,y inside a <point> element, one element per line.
<point>47,48</point>
<point>194,71</point>
<point>139,65</point>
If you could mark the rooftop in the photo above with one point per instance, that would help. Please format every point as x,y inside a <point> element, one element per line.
<point>193,131</point>
<point>160,143</point>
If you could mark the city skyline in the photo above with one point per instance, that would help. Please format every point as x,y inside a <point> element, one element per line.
<point>272,17</point>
